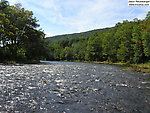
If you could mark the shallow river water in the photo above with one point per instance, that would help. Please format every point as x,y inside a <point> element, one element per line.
<point>67,87</point>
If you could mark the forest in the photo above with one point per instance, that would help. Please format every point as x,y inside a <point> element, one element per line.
<point>127,42</point>
<point>20,39</point>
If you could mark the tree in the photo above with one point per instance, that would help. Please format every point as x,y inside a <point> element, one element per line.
<point>109,46</point>
<point>17,28</point>
<point>137,44</point>
<point>146,40</point>
<point>66,54</point>
<point>123,40</point>
<point>79,49</point>
<point>94,49</point>
<point>3,5</point>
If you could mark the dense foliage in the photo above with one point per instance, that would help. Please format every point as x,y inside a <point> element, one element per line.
<point>128,42</point>
<point>19,38</point>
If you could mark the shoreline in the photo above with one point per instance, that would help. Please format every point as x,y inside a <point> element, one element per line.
<point>19,63</point>
<point>142,67</point>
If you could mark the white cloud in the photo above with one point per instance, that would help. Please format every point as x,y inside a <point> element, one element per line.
<point>81,15</point>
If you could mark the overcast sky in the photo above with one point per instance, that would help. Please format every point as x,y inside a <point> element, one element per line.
<point>58,17</point>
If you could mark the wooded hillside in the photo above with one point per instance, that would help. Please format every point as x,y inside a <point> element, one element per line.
<point>128,41</point>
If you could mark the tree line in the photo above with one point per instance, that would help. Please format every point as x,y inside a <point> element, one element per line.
<point>20,40</point>
<point>127,42</point>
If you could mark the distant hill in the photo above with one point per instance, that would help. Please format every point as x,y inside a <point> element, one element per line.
<point>76,35</point>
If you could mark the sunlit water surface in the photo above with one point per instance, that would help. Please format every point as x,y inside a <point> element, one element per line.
<point>67,87</point>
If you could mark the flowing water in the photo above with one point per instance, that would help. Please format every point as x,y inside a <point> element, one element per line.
<point>67,87</point>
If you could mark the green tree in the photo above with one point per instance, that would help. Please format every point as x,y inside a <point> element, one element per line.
<point>146,36</point>
<point>94,49</point>
<point>66,54</point>
<point>109,46</point>
<point>79,49</point>
<point>17,28</point>
<point>123,40</point>
<point>137,44</point>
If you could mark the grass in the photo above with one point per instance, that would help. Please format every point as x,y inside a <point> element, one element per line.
<point>143,67</point>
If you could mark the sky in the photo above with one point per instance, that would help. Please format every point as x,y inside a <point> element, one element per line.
<point>57,17</point>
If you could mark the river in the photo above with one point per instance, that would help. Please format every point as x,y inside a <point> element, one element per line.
<point>68,87</point>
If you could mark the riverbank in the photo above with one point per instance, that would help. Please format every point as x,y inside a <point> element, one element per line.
<point>143,67</point>
<point>21,62</point>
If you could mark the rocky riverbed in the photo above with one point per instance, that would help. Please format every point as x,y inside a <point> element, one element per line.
<point>67,87</point>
